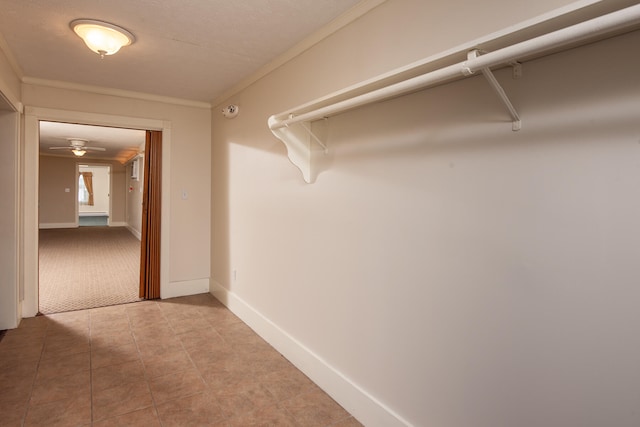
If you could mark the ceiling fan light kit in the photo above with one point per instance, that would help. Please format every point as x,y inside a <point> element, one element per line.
<point>102,37</point>
<point>78,147</point>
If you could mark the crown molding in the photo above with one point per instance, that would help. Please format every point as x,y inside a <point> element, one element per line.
<point>339,22</point>
<point>115,92</point>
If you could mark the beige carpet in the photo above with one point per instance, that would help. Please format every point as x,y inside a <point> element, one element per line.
<point>87,267</point>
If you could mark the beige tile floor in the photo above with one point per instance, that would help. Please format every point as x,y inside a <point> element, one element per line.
<point>179,362</point>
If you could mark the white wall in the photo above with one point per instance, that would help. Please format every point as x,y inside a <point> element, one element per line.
<point>444,270</point>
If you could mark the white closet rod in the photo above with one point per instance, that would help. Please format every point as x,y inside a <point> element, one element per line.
<point>599,26</point>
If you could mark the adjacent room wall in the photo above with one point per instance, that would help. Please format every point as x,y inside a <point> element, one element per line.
<point>57,202</point>
<point>444,270</point>
<point>57,207</point>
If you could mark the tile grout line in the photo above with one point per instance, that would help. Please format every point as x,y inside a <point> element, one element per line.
<point>176,335</point>
<point>146,378</point>
<point>153,399</point>
<point>130,330</point>
<point>183,326</point>
<point>35,376</point>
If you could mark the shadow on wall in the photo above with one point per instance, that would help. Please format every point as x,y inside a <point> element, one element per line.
<point>220,217</point>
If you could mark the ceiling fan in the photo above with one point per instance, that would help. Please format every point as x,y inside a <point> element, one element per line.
<point>78,147</point>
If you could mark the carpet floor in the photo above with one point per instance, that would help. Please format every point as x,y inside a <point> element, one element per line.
<point>87,267</point>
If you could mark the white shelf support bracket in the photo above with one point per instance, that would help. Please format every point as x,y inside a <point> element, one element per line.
<point>297,141</point>
<point>493,82</point>
<point>307,127</point>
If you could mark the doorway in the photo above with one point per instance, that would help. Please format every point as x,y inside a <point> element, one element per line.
<point>92,258</point>
<point>32,118</point>
<point>94,195</point>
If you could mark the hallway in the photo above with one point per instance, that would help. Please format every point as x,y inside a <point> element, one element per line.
<point>177,362</point>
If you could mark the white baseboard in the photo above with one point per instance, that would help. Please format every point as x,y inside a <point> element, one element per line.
<point>364,407</point>
<point>134,232</point>
<point>75,225</point>
<point>182,289</point>
<point>58,225</point>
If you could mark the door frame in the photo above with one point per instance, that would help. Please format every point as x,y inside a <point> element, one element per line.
<point>98,165</point>
<point>32,118</point>
<point>11,288</point>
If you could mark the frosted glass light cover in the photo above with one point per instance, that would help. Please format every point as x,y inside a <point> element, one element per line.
<point>101,37</point>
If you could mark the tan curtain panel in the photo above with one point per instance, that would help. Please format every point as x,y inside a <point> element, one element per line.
<point>151,214</point>
<point>87,177</point>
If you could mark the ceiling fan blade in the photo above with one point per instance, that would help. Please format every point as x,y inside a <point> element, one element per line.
<point>79,148</point>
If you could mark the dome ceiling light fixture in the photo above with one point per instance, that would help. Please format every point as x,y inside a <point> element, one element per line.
<point>102,37</point>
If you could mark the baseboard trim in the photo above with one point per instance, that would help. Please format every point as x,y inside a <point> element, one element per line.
<point>58,225</point>
<point>184,288</point>
<point>118,224</point>
<point>134,232</point>
<point>364,407</point>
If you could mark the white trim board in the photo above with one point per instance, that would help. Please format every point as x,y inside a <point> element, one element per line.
<point>114,92</point>
<point>364,407</point>
<point>133,231</point>
<point>184,288</point>
<point>48,225</point>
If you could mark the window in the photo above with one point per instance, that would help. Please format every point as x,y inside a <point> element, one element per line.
<point>83,194</point>
<point>85,189</point>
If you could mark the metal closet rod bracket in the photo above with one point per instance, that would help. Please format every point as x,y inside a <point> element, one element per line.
<point>493,82</point>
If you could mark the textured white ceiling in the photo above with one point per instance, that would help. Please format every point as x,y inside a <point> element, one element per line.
<point>193,49</point>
